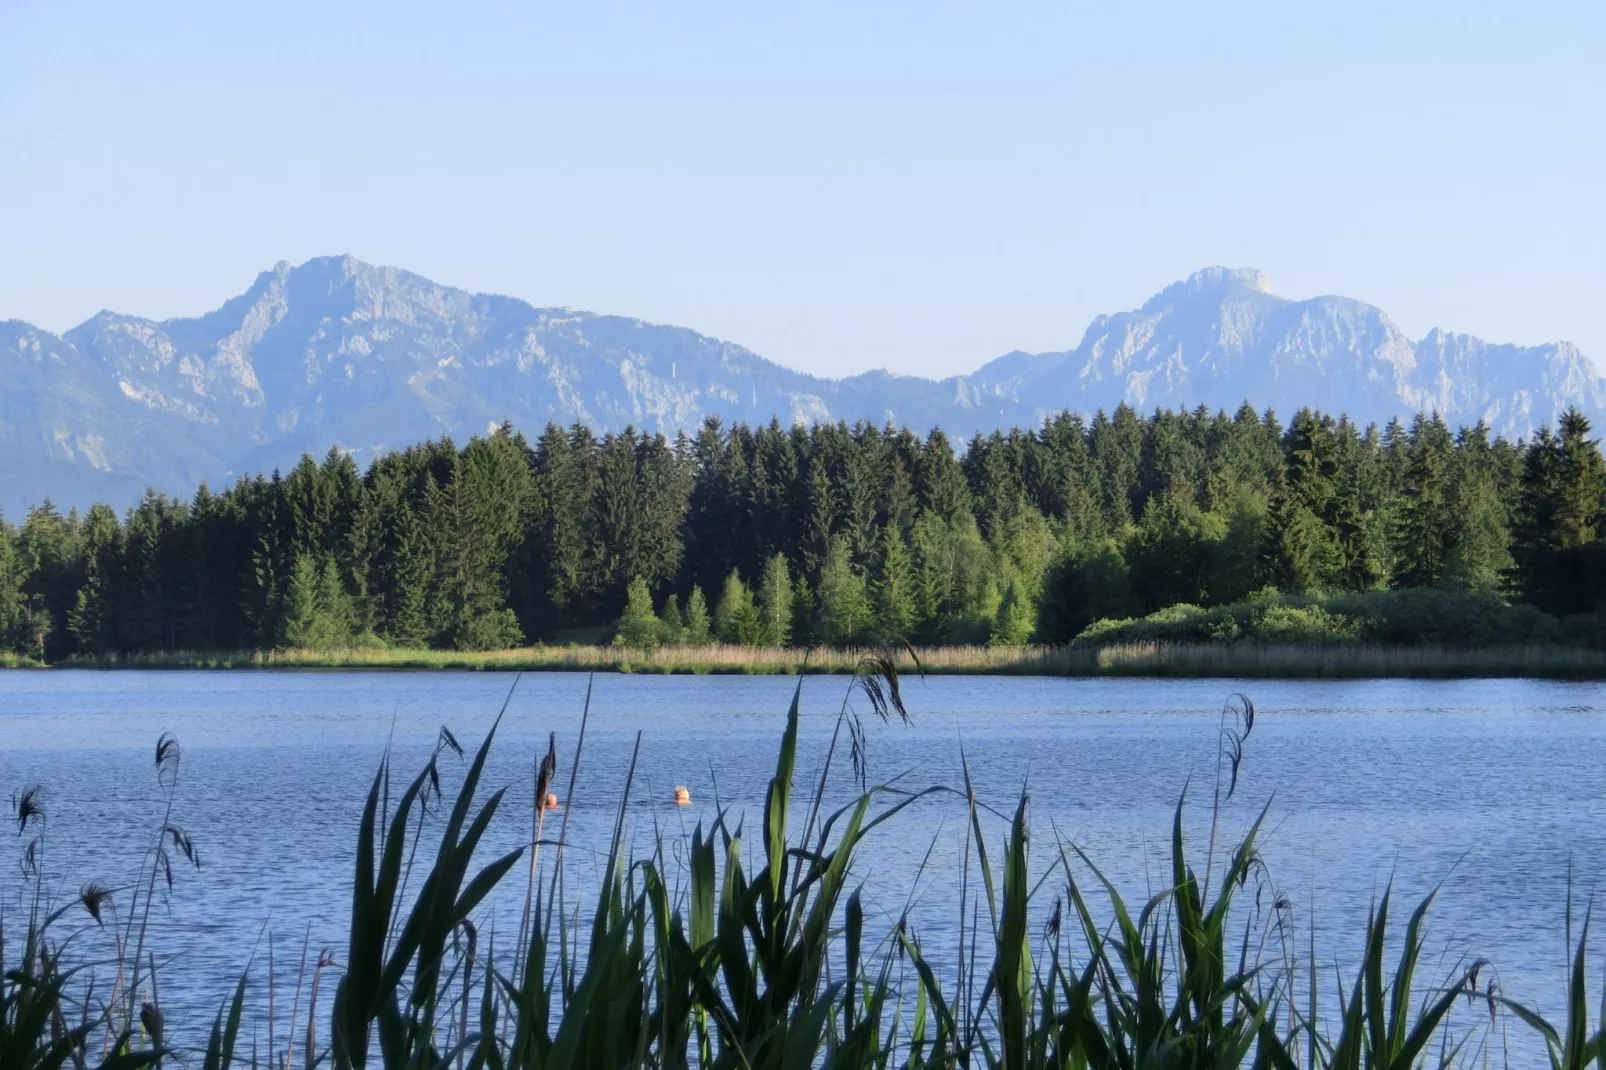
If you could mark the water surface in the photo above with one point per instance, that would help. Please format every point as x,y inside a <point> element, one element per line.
<point>1496,789</point>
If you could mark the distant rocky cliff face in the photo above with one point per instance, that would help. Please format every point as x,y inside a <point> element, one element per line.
<point>338,352</point>
<point>1220,338</point>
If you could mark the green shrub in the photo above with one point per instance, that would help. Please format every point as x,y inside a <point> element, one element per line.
<point>1411,617</point>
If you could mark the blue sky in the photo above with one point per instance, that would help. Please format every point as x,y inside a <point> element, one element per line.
<point>840,186</point>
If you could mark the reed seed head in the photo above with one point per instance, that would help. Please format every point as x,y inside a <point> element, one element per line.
<point>94,896</point>
<point>29,805</point>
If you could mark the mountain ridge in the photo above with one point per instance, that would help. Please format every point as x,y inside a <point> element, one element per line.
<point>338,352</point>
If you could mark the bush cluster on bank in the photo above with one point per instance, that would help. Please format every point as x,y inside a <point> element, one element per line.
<point>1415,617</point>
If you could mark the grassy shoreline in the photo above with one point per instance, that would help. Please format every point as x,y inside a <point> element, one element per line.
<point>1165,659</point>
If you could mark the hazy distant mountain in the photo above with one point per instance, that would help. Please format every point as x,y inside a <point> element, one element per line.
<point>1221,337</point>
<point>338,352</point>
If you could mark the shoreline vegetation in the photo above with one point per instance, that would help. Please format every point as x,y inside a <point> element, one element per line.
<point>1177,528</point>
<point>1144,658</point>
<point>719,952</point>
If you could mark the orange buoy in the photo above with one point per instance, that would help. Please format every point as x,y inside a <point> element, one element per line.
<point>682,797</point>
<point>551,801</point>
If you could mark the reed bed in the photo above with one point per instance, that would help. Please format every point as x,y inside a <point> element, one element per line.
<point>750,949</point>
<point>711,658</point>
<point>1244,660</point>
<point>1352,660</point>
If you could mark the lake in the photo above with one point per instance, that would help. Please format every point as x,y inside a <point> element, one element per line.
<point>1496,789</point>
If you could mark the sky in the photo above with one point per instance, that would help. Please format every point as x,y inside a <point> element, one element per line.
<point>915,186</point>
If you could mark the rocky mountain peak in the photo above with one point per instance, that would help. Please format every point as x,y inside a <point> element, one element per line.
<point>336,351</point>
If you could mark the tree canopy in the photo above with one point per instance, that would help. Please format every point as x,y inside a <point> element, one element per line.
<point>822,534</point>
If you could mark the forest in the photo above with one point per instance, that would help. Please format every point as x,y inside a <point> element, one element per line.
<point>829,535</point>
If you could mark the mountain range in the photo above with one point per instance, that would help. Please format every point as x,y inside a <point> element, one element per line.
<point>337,352</point>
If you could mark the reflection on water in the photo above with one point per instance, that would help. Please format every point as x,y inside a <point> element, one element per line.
<point>1494,788</point>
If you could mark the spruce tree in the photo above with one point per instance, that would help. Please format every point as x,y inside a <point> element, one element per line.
<point>407,561</point>
<point>1359,515</point>
<point>334,603</point>
<point>736,619</point>
<point>699,629</point>
<point>894,588</point>
<point>819,517</point>
<point>1427,526</point>
<point>1014,622</point>
<point>899,507</point>
<point>92,617</point>
<point>1116,445</point>
<point>638,624</point>
<point>48,545</point>
<point>1306,551</point>
<point>939,481</point>
<point>304,628</point>
<point>1560,511</point>
<point>844,605</point>
<point>1580,483</point>
<point>1479,557</point>
<point>17,633</point>
<point>932,576</point>
<point>671,626</point>
<point>805,622</point>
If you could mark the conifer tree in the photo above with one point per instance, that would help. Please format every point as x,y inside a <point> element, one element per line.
<point>671,626</point>
<point>805,621</point>
<point>92,617</point>
<point>894,587</point>
<point>1015,620</point>
<point>334,603</point>
<point>820,517</point>
<point>844,605</point>
<point>865,532</point>
<point>1305,552</point>
<point>317,613</point>
<point>1427,527</point>
<point>1360,514</point>
<point>900,505</point>
<point>1580,483</point>
<point>304,627</point>
<point>932,576</point>
<point>51,562</point>
<point>1479,557</point>
<point>638,624</point>
<point>974,592</point>
<point>17,632</point>
<point>939,481</point>
<point>1561,490</point>
<point>699,629</point>
<point>407,561</point>
<point>1116,445</point>
<point>560,551</point>
<point>478,510</point>
<point>736,619</point>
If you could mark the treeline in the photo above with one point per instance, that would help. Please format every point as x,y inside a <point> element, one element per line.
<point>824,534</point>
